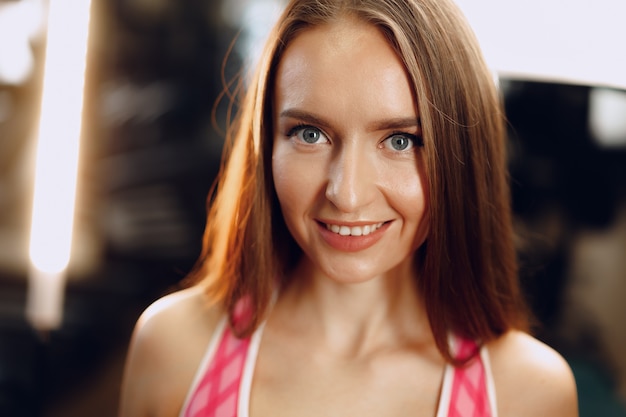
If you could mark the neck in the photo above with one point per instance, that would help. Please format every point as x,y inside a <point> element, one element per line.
<point>354,318</point>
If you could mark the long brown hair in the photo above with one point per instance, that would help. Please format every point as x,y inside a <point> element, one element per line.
<point>468,269</point>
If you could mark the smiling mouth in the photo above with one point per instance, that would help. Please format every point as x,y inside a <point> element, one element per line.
<point>354,230</point>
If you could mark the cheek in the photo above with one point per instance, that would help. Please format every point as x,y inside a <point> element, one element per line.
<point>282,185</point>
<point>408,193</point>
<point>408,187</point>
<point>422,207</point>
<point>294,184</point>
<point>412,202</point>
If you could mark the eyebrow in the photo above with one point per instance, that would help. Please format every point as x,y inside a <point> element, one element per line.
<point>303,116</point>
<point>397,123</point>
<point>386,124</point>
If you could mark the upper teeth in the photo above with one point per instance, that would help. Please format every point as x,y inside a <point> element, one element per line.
<point>354,230</point>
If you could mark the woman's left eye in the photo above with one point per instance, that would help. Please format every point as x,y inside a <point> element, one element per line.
<point>401,142</point>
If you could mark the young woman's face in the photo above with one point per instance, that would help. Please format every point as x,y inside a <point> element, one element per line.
<point>347,156</point>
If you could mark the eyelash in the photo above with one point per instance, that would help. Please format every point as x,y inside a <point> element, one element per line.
<point>416,139</point>
<point>299,127</point>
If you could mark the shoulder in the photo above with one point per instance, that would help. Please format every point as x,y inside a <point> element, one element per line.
<point>167,345</point>
<point>530,378</point>
<point>176,313</point>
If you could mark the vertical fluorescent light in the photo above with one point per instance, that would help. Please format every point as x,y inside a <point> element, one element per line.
<point>57,159</point>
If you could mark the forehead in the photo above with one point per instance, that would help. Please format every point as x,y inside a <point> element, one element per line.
<point>338,64</point>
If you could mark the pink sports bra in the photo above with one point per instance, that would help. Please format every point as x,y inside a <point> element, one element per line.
<point>222,385</point>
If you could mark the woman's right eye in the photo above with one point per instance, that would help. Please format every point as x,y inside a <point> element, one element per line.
<point>308,134</point>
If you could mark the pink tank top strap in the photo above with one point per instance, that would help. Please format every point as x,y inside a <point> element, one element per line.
<point>470,394</point>
<point>217,393</point>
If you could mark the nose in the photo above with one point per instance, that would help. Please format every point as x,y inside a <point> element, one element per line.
<point>351,180</point>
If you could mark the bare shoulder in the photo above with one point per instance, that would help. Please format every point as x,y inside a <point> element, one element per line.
<point>531,378</point>
<point>167,346</point>
<point>176,312</point>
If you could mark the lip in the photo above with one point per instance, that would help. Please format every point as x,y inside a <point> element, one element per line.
<point>351,243</point>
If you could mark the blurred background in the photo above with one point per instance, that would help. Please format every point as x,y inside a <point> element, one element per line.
<point>153,124</point>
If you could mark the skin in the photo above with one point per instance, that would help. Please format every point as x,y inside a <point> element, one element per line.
<point>350,335</point>
<point>351,175</point>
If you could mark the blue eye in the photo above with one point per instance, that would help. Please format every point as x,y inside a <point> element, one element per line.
<point>401,142</point>
<point>308,134</point>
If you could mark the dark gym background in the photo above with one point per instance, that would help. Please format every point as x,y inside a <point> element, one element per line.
<point>150,151</point>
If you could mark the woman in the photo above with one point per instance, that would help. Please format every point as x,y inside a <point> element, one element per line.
<point>358,257</point>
